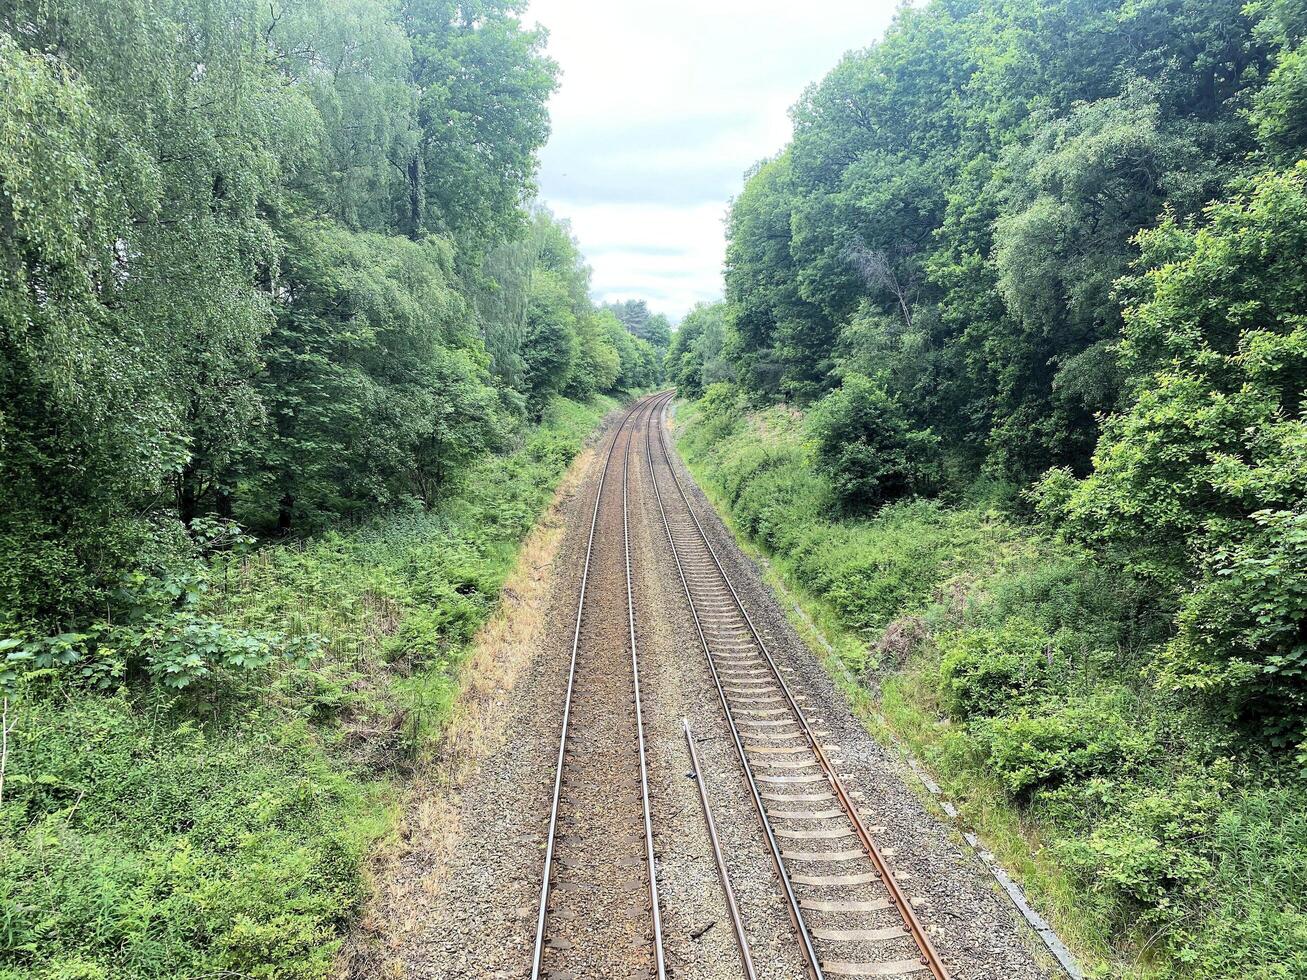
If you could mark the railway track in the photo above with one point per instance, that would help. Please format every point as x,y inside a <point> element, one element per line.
<point>598,913</point>
<point>850,916</point>
<point>599,910</point>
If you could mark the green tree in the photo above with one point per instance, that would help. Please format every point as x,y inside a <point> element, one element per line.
<point>1201,483</point>
<point>867,447</point>
<point>696,355</point>
<point>482,84</point>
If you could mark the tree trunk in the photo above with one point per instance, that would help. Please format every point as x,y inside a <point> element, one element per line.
<point>413,225</point>
<point>284,511</point>
<point>187,496</point>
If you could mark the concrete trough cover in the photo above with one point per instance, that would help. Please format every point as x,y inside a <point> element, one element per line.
<point>838,905</point>
<point>890,968</point>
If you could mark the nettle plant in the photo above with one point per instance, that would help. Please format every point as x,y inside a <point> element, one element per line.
<point>158,629</point>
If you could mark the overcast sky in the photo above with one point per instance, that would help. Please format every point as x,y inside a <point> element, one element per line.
<point>662,107</point>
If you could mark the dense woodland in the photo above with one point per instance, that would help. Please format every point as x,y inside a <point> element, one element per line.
<point>268,263</point>
<point>1035,275</point>
<point>1009,377</point>
<point>1061,246</point>
<point>289,364</point>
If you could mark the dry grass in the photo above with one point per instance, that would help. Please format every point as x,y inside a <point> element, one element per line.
<point>429,830</point>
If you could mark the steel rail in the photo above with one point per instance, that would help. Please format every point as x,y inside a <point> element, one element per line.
<point>659,964</point>
<point>792,900</point>
<point>537,960</point>
<point>746,957</point>
<point>929,956</point>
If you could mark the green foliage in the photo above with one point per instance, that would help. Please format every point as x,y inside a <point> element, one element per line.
<point>1024,668</point>
<point>1200,482</point>
<point>1037,749</point>
<point>237,288</point>
<point>140,844</point>
<point>865,446</point>
<point>567,345</point>
<point>150,832</point>
<point>984,672</point>
<point>481,84</point>
<point>696,355</point>
<point>959,197</point>
<point>375,389</point>
<point>865,570</point>
<point>782,344</point>
<point>247,261</point>
<point>1063,241</point>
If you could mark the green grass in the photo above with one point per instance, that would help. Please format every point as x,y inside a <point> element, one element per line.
<point>222,830</point>
<point>1018,668</point>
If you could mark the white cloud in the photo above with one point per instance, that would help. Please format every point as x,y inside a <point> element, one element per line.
<point>662,108</point>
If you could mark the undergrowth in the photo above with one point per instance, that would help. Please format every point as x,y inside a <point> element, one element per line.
<point>1019,668</point>
<point>219,828</point>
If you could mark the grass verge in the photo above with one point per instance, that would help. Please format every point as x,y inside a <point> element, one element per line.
<point>1017,668</point>
<point>223,830</point>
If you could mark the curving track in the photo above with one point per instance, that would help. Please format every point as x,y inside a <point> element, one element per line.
<point>599,908</point>
<point>850,916</point>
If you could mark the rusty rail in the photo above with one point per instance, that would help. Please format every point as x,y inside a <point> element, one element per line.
<point>929,956</point>
<point>746,958</point>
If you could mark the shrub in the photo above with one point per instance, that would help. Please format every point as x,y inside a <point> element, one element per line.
<point>986,672</point>
<point>1199,484</point>
<point>1085,737</point>
<point>867,448</point>
<point>139,844</point>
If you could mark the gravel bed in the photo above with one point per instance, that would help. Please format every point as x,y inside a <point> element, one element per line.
<point>600,920</point>
<point>677,685</point>
<point>479,919</point>
<point>476,915</point>
<point>974,928</point>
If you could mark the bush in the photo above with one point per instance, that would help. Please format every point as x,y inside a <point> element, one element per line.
<point>1084,737</point>
<point>138,843</point>
<point>1199,485</point>
<point>985,672</point>
<point>867,448</point>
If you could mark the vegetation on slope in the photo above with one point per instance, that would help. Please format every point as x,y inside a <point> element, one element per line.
<point>1054,249</point>
<point>1050,255</point>
<point>270,263</point>
<point>151,831</point>
<point>1022,668</point>
<point>287,367</point>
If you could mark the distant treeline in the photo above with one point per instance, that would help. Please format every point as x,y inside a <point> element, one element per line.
<point>270,262</point>
<point>1060,245</point>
